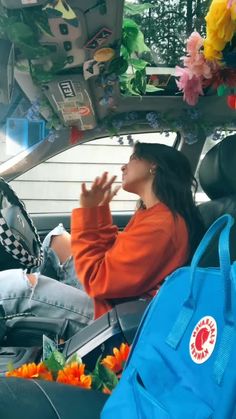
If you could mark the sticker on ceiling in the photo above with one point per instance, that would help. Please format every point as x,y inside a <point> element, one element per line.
<point>99,39</point>
<point>60,8</point>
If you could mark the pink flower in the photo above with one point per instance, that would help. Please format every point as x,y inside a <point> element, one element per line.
<point>194,43</point>
<point>198,66</point>
<point>191,86</point>
<point>195,60</point>
<point>195,72</point>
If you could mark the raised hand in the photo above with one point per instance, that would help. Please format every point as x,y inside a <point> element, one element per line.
<point>100,193</point>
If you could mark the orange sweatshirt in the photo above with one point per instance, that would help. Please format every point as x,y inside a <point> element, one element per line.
<point>129,263</point>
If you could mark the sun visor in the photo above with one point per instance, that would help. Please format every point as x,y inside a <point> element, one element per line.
<point>70,98</point>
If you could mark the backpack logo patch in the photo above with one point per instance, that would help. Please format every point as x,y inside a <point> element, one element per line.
<point>203,340</point>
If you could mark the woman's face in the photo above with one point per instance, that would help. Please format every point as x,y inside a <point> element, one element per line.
<point>136,174</point>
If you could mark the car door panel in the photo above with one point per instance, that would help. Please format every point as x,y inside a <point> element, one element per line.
<point>46,222</point>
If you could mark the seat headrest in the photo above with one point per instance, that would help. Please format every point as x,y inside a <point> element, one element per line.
<point>217,172</point>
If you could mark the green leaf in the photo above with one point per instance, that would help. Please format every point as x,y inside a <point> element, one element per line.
<point>135,9</point>
<point>6,22</point>
<point>139,44</point>
<point>118,66</point>
<point>150,88</point>
<point>108,377</point>
<point>19,32</point>
<point>126,85</point>
<point>138,63</point>
<point>96,368</point>
<point>32,52</point>
<point>37,19</point>
<point>129,24</point>
<point>123,52</point>
<point>222,90</point>
<point>129,38</point>
<point>41,20</point>
<point>139,82</point>
<point>56,361</point>
<point>74,358</point>
<point>97,383</point>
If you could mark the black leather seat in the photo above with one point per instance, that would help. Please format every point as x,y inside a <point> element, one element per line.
<point>217,176</point>
<point>37,399</point>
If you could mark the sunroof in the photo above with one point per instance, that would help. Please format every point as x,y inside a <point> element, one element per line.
<point>166,25</point>
<point>154,42</point>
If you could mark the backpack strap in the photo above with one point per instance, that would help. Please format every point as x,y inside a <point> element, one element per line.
<point>186,313</point>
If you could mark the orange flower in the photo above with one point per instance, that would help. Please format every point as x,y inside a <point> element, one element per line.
<point>31,370</point>
<point>74,374</point>
<point>106,390</point>
<point>116,363</point>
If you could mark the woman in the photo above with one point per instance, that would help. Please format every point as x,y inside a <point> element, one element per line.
<point>131,264</point>
<point>159,238</point>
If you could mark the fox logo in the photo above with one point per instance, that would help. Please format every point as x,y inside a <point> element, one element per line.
<point>203,340</point>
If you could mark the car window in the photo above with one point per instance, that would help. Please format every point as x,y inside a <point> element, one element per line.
<point>54,186</point>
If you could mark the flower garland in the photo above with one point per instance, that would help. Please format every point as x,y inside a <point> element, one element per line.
<point>191,122</point>
<point>211,62</point>
<point>104,377</point>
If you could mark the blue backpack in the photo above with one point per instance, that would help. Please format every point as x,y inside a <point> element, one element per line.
<point>183,360</point>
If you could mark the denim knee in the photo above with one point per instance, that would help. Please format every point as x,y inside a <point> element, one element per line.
<point>52,267</point>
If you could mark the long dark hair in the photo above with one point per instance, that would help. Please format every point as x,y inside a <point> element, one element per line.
<point>175,185</point>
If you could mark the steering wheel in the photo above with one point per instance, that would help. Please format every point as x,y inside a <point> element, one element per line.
<point>18,234</point>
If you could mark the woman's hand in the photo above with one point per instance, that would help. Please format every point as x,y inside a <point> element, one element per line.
<point>100,193</point>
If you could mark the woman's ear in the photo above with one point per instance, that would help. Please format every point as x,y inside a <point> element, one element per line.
<point>153,167</point>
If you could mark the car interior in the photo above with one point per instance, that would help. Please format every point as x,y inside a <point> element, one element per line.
<point>90,72</point>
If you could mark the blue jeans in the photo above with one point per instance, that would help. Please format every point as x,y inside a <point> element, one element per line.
<point>52,267</point>
<point>49,297</point>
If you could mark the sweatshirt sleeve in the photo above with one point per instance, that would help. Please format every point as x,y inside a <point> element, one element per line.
<point>126,266</point>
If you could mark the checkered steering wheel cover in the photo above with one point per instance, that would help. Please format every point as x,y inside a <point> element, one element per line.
<point>9,241</point>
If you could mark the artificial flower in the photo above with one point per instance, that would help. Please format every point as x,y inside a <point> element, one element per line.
<point>106,390</point>
<point>31,370</point>
<point>211,53</point>
<point>191,86</point>
<point>116,363</point>
<point>195,60</point>
<point>194,43</point>
<point>220,28</point>
<point>223,76</point>
<point>231,101</point>
<point>74,374</point>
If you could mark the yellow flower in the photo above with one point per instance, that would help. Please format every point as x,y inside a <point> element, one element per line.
<point>31,371</point>
<point>220,29</point>
<point>211,53</point>
<point>74,374</point>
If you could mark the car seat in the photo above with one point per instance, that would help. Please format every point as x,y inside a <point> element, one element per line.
<point>20,398</point>
<point>217,176</point>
